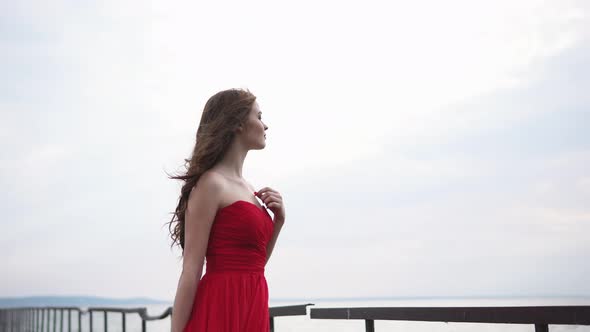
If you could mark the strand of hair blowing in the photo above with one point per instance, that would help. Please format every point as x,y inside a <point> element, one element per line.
<point>222,114</point>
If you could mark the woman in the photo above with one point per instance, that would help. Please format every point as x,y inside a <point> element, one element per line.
<point>219,217</point>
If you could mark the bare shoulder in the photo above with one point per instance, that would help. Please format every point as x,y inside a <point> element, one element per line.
<point>211,180</point>
<point>208,190</point>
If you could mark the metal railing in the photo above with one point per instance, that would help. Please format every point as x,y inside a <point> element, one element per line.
<point>46,318</point>
<point>540,316</point>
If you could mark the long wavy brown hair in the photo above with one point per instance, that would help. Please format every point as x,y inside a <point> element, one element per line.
<point>223,113</point>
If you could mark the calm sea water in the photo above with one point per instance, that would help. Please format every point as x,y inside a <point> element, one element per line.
<point>304,323</point>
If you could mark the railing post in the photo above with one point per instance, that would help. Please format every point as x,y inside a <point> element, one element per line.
<point>43,320</point>
<point>79,320</point>
<point>106,323</point>
<point>541,328</point>
<point>54,320</point>
<point>369,325</point>
<point>123,321</point>
<point>272,324</point>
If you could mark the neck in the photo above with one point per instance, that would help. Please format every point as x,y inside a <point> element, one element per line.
<point>233,161</point>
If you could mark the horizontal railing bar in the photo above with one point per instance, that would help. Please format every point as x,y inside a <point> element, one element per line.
<point>563,315</point>
<point>39,308</point>
<point>116,309</point>
<point>166,313</point>
<point>290,310</point>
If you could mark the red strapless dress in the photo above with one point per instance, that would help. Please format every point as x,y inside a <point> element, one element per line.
<point>232,295</point>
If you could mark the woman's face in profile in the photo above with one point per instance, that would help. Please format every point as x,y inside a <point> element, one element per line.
<point>255,128</point>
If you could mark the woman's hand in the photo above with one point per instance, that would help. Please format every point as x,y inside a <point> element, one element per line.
<point>274,201</point>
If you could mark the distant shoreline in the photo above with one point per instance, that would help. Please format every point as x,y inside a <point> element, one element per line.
<point>84,301</point>
<point>75,301</point>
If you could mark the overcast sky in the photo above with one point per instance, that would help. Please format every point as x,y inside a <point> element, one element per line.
<point>423,148</point>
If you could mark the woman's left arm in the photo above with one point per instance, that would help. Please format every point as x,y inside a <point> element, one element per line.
<point>273,201</point>
<point>275,234</point>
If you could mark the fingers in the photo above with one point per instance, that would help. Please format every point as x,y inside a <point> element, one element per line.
<point>264,191</point>
<point>271,197</point>
<point>273,204</point>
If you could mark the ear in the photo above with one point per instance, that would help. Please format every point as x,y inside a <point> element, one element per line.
<point>239,128</point>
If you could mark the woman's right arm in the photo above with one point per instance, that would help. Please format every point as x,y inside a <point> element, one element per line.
<point>202,206</point>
